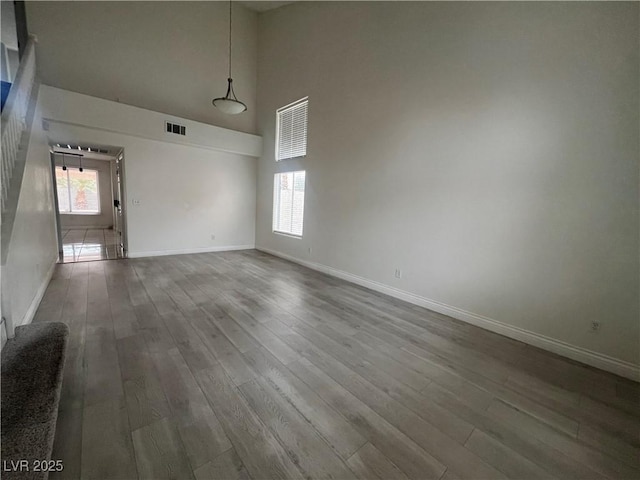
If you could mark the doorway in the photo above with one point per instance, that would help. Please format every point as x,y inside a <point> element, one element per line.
<point>89,200</point>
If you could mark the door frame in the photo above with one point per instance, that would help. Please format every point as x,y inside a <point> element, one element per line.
<point>54,183</point>
<point>120,188</point>
<point>123,202</point>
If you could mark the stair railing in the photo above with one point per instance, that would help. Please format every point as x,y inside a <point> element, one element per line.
<point>14,116</point>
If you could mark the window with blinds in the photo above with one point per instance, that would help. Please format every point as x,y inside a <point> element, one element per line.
<point>291,130</point>
<point>288,202</point>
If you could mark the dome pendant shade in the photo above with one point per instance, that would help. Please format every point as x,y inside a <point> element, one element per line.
<point>229,103</point>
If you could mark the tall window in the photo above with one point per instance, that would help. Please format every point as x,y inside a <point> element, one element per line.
<point>291,130</point>
<point>78,191</point>
<point>288,203</point>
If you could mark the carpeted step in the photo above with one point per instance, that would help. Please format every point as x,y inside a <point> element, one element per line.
<point>32,368</point>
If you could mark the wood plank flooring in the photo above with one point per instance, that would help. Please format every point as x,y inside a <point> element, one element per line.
<point>240,365</point>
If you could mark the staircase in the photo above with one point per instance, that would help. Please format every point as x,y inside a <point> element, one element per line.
<point>17,117</point>
<point>14,118</point>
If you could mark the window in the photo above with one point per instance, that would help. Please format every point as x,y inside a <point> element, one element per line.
<point>291,130</point>
<point>78,191</point>
<point>288,203</point>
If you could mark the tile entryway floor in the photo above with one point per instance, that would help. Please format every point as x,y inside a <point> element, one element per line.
<point>89,244</point>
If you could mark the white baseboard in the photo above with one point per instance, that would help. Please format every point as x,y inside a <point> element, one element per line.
<point>35,303</point>
<point>160,253</point>
<point>588,357</point>
<point>3,335</point>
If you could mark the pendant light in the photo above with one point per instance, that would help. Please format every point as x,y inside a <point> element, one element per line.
<point>64,165</point>
<point>229,103</point>
<point>81,169</point>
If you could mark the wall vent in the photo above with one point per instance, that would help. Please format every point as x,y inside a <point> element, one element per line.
<point>175,128</point>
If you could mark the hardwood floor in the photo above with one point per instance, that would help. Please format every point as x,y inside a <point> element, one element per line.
<point>241,365</point>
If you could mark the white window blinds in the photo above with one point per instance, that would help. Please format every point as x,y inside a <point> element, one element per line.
<point>291,130</point>
<point>288,202</point>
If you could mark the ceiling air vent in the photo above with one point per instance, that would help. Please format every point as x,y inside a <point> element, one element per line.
<point>175,128</point>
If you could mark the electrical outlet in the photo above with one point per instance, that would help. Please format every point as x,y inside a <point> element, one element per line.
<point>135,201</point>
<point>310,250</point>
<point>595,326</point>
<point>398,273</point>
<point>213,237</point>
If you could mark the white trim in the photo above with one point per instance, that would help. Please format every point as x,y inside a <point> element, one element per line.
<point>160,253</point>
<point>67,170</point>
<point>588,357</point>
<point>3,335</point>
<point>285,234</point>
<point>35,303</point>
<point>84,214</point>
<point>277,201</point>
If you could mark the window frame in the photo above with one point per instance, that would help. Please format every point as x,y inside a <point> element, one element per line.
<point>71,212</point>
<point>279,112</point>
<point>276,191</point>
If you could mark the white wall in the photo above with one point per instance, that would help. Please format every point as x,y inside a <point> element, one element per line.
<point>33,250</point>
<point>8,32</point>
<point>186,192</point>
<point>163,56</point>
<point>9,37</point>
<point>105,218</point>
<point>77,109</point>
<point>488,150</point>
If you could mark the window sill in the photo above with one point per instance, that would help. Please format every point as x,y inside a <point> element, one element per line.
<point>94,214</point>
<point>285,234</point>
<point>291,158</point>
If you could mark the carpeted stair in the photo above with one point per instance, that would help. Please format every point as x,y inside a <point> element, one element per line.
<point>32,367</point>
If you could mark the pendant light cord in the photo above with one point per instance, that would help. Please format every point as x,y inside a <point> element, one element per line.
<point>230,103</point>
<point>229,38</point>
